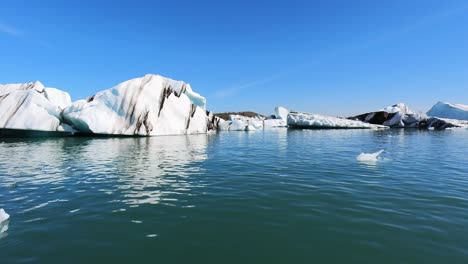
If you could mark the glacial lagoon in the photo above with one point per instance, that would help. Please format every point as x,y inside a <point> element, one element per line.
<point>267,196</point>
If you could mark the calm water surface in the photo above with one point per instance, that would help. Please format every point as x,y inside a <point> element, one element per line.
<point>279,196</point>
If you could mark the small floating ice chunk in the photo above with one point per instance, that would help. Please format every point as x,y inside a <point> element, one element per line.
<point>3,215</point>
<point>3,222</point>
<point>152,235</point>
<point>369,157</point>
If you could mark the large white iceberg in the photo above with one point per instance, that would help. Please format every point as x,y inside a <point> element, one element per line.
<point>150,105</point>
<point>448,110</point>
<point>304,120</point>
<point>31,106</point>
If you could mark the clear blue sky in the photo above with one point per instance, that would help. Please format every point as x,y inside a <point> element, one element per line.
<point>333,57</point>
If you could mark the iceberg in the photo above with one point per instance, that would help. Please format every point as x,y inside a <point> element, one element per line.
<point>146,106</point>
<point>240,122</point>
<point>280,120</point>
<point>401,116</point>
<point>369,157</point>
<point>395,116</point>
<point>450,111</point>
<point>254,122</point>
<point>304,120</point>
<point>31,106</point>
<point>238,125</point>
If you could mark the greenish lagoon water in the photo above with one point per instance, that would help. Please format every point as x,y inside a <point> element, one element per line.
<point>273,196</point>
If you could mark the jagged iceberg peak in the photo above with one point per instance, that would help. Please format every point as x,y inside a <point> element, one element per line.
<point>8,88</point>
<point>149,105</point>
<point>400,107</point>
<point>448,110</point>
<point>32,106</point>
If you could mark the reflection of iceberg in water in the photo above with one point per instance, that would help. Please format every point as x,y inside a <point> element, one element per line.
<point>160,173</point>
<point>38,161</point>
<point>129,170</point>
<point>144,170</point>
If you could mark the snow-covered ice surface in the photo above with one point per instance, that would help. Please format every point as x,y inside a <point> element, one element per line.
<point>255,122</point>
<point>450,111</point>
<point>31,106</point>
<point>369,157</point>
<point>303,120</point>
<point>271,123</point>
<point>150,105</point>
<point>238,125</point>
<point>400,107</point>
